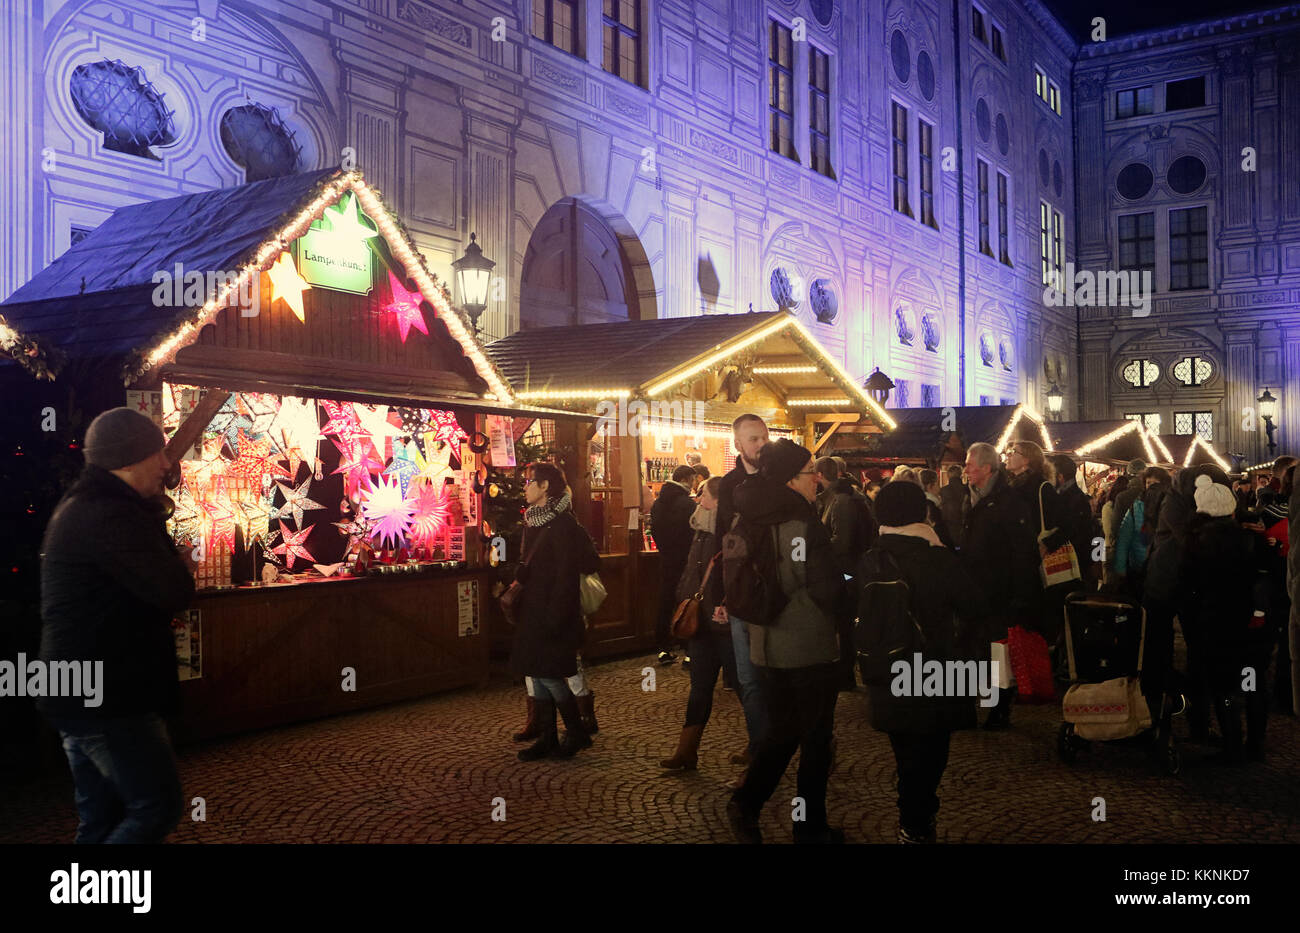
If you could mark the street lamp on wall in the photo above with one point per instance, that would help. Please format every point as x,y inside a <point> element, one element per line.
<point>1055,398</point>
<point>878,386</point>
<point>473,272</point>
<point>1267,411</point>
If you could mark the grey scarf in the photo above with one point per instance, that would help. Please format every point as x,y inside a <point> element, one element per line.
<point>537,515</point>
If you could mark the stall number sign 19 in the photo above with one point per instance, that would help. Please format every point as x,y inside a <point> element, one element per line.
<point>336,262</point>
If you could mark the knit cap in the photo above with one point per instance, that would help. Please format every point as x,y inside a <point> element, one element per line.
<point>899,504</point>
<point>120,437</point>
<point>1214,499</point>
<point>783,460</point>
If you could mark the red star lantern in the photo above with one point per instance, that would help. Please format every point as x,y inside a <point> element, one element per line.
<point>406,307</point>
<point>291,546</point>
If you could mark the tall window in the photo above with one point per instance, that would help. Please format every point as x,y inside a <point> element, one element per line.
<point>999,49</point>
<point>900,160</point>
<point>1189,258</point>
<point>1134,102</point>
<point>1054,97</point>
<point>1148,419</point>
<point>556,22</point>
<point>1045,241</point>
<point>780,69</point>
<point>1047,90</point>
<point>977,25</point>
<point>1058,244</point>
<point>1004,252</point>
<point>982,203</point>
<point>1183,95</point>
<point>621,21</point>
<point>1137,242</point>
<point>925,134</point>
<point>1195,422</point>
<point>819,110</point>
<point>929,395</point>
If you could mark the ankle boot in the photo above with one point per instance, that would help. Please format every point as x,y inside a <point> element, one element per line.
<point>1000,715</point>
<point>549,739</point>
<point>530,730</point>
<point>575,736</point>
<point>688,747</point>
<point>587,707</point>
<point>1228,712</point>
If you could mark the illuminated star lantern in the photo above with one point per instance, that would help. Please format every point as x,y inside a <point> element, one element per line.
<point>286,283</point>
<point>187,519</point>
<point>356,464</point>
<point>374,420</point>
<point>229,420</point>
<point>220,517</point>
<point>255,459</point>
<point>343,422</point>
<point>296,429</point>
<point>406,306</point>
<point>291,546</point>
<point>295,502</point>
<point>389,512</point>
<point>434,464</point>
<point>345,223</point>
<point>405,470</point>
<point>260,412</point>
<point>257,518</point>
<point>430,516</point>
<point>446,428</point>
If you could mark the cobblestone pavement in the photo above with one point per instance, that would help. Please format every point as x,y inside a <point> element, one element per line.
<point>429,770</point>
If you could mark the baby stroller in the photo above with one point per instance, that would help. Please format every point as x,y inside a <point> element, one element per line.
<point>1104,639</point>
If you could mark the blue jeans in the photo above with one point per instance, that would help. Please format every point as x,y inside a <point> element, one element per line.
<point>751,699</point>
<point>127,788</point>
<point>552,688</point>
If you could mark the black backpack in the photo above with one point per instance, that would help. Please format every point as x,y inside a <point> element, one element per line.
<point>751,577</point>
<point>886,629</point>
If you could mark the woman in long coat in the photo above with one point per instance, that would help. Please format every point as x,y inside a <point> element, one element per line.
<point>549,629</point>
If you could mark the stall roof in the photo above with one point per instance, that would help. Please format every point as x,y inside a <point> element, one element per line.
<point>96,299</point>
<point>1112,441</point>
<point>1186,450</point>
<point>925,433</point>
<point>589,362</point>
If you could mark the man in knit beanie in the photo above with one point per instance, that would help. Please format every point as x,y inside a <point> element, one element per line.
<point>111,582</point>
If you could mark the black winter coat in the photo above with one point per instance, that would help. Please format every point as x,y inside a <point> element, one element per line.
<point>1074,512</point>
<point>111,582</point>
<point>1217,582</point>
<point>549,631</point>
<point>670,525</point>
<point>952,499</point>
<point>1160,589</point>
<point>850,522</point>
<point>703,547</point>
<point>950,607</point>
<point>1000,551</point>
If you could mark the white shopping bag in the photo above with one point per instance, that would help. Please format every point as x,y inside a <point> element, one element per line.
<point>1001,657</point>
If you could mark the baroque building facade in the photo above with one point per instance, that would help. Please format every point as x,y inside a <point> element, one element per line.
<point>901,174</point>
<point>1196,181</point>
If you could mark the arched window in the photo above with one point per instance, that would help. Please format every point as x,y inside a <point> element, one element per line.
<point>118,101</point>
<point>257,140</point>
<point>1193,370</point>
<point>1141,374</point>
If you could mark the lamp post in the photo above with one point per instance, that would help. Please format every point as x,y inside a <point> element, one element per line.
<point>1267,411</point>
<point>1055,397</point>
<point>473,271</point>
<point>878,386</point>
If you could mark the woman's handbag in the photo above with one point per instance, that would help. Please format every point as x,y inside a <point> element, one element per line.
<point>686,620</point>
<point>1061,565</point>
<point>592,592</point>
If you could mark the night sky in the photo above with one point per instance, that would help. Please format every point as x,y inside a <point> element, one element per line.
<point>1125,16</point>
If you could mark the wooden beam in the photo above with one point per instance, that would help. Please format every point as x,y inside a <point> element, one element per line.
<point>826,437</point>
<point>192,426</point>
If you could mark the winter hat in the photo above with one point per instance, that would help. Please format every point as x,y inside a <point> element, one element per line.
<point>1136,466</point>
<point>120,437</point>
<point>899,504</point>
<point>1214,499</point>
<point>782,460</point>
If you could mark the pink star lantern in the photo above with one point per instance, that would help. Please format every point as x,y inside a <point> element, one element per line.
<point>390,512</point>
<point>343,422</point>
<point>356,463</point>
<point>292,546</point>
<point>431,513</point>
<point>406,307</point>
<point>444,427</point>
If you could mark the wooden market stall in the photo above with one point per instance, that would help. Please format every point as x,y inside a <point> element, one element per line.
<point>332,416</point>
<point>1186,450</point>
<point>666,393</point>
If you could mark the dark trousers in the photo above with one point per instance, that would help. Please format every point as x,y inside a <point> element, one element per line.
<point>1158,658</point>
<point>921,760</point>
<point>801,715</point>
<point>127,788</point>
<point>667,606</point>
<point>711,652</point>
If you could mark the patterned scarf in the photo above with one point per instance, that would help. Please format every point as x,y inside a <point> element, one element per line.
<point>537,515</point>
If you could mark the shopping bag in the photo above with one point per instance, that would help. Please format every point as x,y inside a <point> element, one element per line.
<point>592,593</point>
<point>1112,709</point>
<point>1002,657</point>
<point>1031,666</point>
<point>1061,565</point>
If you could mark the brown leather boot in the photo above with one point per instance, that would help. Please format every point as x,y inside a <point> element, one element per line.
<point>532,729</point>
<point>587,707</point>
<point>687,754</point>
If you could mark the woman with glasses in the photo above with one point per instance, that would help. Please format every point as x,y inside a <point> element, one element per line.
<point>549,629</point>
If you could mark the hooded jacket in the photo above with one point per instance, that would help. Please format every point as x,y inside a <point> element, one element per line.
<point>111,582</point>
<point>804,634</point>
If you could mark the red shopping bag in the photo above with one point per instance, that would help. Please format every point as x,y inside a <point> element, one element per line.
<point>1031,666</point>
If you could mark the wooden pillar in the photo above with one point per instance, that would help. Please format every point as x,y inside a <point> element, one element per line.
<point>571,456</point>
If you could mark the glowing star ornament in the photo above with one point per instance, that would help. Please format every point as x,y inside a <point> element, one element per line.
<point>374,420</point>
<point>357,464</point>
<point>343,422</point>
<point>405,470</point>
<point>444,427</point>
<point>286,283</point>
<point>432,511</point>
<point>345,223</point>
<point>257,518</point>
<point>256,459</point>
<point>220,518</point>
<point>433,465</point>
<point>295,502</point>
<point>389,512</point>
<point>405,306</point>
<point>291,547</point>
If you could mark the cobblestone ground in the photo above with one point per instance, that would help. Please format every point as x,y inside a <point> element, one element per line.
<point>429,770</point>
